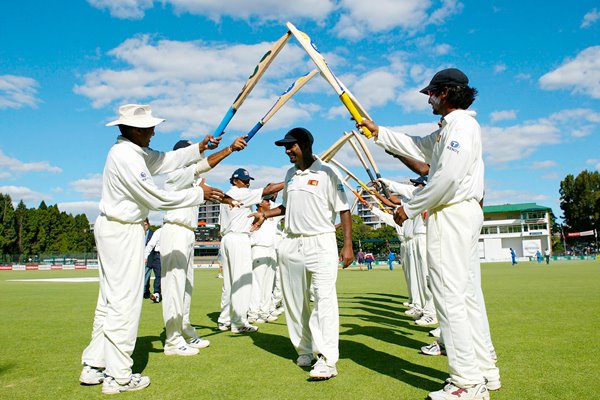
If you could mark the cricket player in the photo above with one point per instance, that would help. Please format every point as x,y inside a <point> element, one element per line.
<point>236,251</point>
<point>177,255</point>
<point>451,197</point>
<point>312,198</point>
<point>152,261</point>
<point>128,193</point>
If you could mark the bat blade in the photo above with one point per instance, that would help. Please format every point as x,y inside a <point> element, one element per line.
<point>252,80</point>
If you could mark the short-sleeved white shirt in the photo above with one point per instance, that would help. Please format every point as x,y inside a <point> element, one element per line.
<point>235,219</point>
<point>312,198</point>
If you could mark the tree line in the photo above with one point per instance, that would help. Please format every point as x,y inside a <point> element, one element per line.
<point>34,232</point>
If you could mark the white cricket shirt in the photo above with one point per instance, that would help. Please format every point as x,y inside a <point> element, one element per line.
<point>235,219</point>
<point>312,198</point>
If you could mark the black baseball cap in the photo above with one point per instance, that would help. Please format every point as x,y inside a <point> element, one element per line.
<point>296,135</point>
<point>446,77</point>
<point>181,144</point>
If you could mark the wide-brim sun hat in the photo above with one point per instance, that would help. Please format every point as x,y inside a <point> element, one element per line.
<point>136,115</point>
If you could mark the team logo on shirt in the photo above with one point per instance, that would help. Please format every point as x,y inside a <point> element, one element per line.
<point>313,182</point>
<point>453,146</point>
<point>143,176</point>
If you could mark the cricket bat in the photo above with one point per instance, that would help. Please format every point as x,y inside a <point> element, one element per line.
<point>340,89</point>
<point>258,72</point>
<point>285,96</point>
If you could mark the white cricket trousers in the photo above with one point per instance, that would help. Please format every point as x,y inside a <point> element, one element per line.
<point>418,250</point>
<point>306,259</point>
<point>264,261</point>
<point>410,273</point>
<point>237,279</point>
<point>121,279</point>
<point>177,280</point>
<point>452,233</point>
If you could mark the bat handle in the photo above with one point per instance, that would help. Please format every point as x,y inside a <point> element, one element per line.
<point>354,112</point>
<point>253,131</point>
<point>224,122</point>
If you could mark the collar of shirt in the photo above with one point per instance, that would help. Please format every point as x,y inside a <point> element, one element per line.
<point>138,149</point>
<point>314,167</point>
<point>455,114</point>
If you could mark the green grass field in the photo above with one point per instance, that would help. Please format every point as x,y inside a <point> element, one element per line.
<point>545,324</point>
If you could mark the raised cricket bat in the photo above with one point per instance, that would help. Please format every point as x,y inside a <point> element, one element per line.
<point>330,152</point>
<point>258,72</point>
<point>340,89</point>
<point>363,145</point>
<point>361,183</point>
<point>285,96</point>
<point>360,156</point>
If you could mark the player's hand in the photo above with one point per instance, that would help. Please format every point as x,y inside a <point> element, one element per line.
<point>230,201</point>
<point>400,216</point>
<point>211,193</point>
<point>239,144</point>
<point>209,142</point>
<point>370,125</point>
<point>347,256</point>
<point>259,218</point>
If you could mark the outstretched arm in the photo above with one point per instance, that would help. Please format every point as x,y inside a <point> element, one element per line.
<point>347,253</point>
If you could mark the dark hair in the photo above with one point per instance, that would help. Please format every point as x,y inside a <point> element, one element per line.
<point>125,130</point>
<point>460,96</point>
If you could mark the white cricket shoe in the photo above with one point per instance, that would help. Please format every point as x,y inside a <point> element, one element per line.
<point>244,329</point>
<point>272,318</point>
<point>413,311</point>
<point>493,383</point>
<point>322,371</point>
<point>452,392</point>
<point>137,382</point>
<point>304,360</point>
<point>91,375</point>
<point>434,349</point>
<point>436,333</point>
<point>427,320</point>
<point>181,351</point>
<point>223,327</point>
<point>198,343</point>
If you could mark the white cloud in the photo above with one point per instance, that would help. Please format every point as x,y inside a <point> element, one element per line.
<point>89,188</point>
<point>552,176</point>
<point>16,167</point>
<point>18,92</point>
<point>361,17</point>
<point>261,10</point>
<point>590,18</point>
<point>511,196</point>
<point>543,164</point>
<point>28,196</point>
<point>595,163</point>
<point>581,75</point>
<point>502,145</point>
<point>503,115</point>
<point>499,68</point>
<point>192,84</point>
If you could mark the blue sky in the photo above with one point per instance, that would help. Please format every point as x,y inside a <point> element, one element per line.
<point>65,67</point>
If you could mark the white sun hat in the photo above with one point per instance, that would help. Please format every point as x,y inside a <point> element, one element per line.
<point>136,115</point>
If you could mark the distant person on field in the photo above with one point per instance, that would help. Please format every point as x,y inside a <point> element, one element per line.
<point>369,258</point>
<point>152,260</point>
<point>513,256</point>
<point>547,255</point>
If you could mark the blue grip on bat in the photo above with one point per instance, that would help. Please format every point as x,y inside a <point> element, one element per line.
<point>252,132</point>
<point>224,122</point>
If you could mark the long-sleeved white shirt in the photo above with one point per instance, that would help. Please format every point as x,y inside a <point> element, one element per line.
<point>454,155</point>
<point>185,178</point>
<point>153,243</point>
<point>235,219</point>
<point>388,219</point>
<point>128,190</point>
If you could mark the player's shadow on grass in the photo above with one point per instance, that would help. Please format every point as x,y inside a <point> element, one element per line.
<point>275,344</point>
<point>415,375</point>
<point>143,347</point>
<point>397,337</point>
<point>5,367</point>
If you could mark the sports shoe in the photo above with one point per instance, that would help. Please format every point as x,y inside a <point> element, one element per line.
<point>272,318</point>
<point>223,327</point>
<point>244,329</point>
<point>493,384</point>
<point>451,392</point>
<point>434,349</point>
<point>426,320</point>
<point>407,304</point>
<point>220,276</point>
<point>278,311</point>
<point>252,320</point>
<point>413,311</point>
<point>436,333</point>
<point>137,382</point>
<point>198,343</point>
<point>155,297</point>
<point>91,375</point>
<point>181,351</point>
<point>304,360</point>
<point>322,371</point>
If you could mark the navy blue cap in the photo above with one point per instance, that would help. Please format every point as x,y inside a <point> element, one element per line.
<point>446,77</point>
<point>181,144</point>
<point>296,135</point>
<point>422,180</point>
<point>241,174</point>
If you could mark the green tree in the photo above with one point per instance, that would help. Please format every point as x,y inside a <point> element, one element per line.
<point>580,201</point>
<point>8,231</point>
